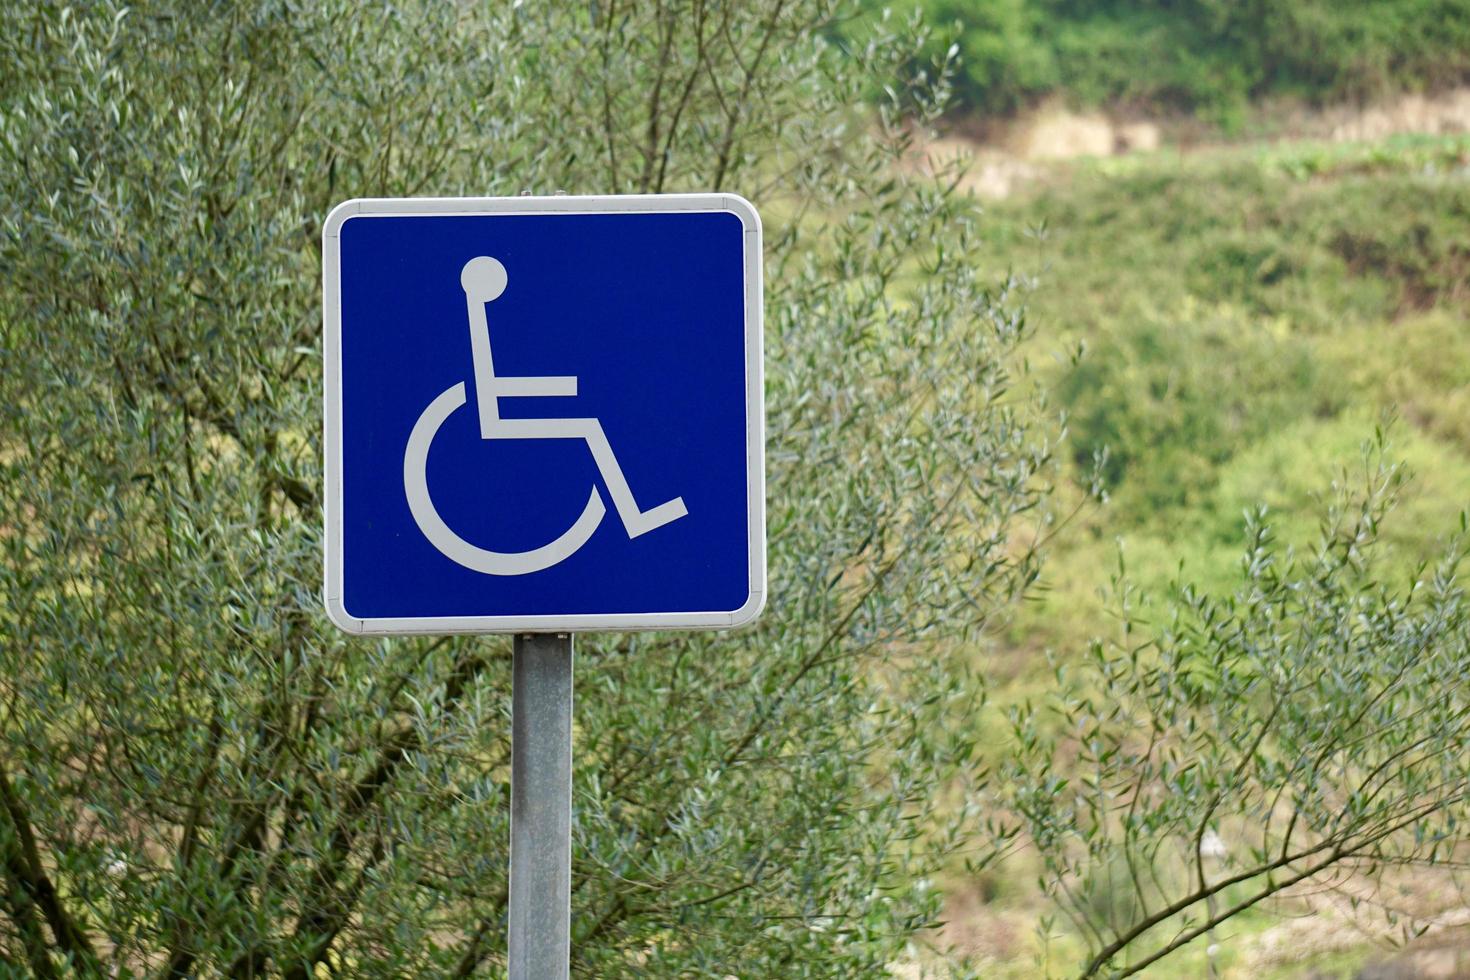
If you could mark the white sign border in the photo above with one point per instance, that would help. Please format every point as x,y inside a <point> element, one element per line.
<point>755,423</point>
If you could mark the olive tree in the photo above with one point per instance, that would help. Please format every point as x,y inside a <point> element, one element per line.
<point>198,774</point>
<point>1309,731</point>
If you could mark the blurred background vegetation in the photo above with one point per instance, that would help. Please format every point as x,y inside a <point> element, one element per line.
<point>1229,303</point>
<point>1246,314</point>
<point>1211,57</point>
<point>1224,329</point>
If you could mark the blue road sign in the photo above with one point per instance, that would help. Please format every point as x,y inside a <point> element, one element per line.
<point>543,414</point>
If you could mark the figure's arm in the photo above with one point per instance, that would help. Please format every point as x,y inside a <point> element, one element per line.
<point>556,386</point>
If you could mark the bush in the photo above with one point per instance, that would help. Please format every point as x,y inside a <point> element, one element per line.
<point>1306,731</point>
<point>199,775</point>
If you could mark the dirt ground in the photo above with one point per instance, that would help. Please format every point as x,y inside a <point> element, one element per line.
<point>1006,156</point>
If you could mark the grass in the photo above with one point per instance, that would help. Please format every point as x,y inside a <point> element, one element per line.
<point>1246,317</point>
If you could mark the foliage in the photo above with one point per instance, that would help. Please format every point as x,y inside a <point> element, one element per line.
<point>1232,357</point>
<point>200,775</point>
<point>1244,316</point>
<point>1306,729</point>
<point>1210,56</point>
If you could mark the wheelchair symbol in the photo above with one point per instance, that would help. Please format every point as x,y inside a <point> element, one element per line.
<point>484,279</point>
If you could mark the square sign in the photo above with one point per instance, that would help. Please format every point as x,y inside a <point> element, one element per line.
<point>543,413</point>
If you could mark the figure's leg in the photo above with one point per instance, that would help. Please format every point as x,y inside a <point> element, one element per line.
<point>590,431</point>
<point>636,521</point>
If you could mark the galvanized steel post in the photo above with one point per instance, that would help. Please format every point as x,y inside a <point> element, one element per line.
<point>541,807</point>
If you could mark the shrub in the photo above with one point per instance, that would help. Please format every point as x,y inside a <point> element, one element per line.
<point>199,774</point>
<point>1305,731</point>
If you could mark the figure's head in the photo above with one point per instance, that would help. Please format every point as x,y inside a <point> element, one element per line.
<point>483,279</point>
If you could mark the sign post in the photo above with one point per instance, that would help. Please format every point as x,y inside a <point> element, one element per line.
<point>543,416</point>
<point>540,919</point>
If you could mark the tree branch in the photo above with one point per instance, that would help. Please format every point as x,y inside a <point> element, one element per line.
<point>22,859</point>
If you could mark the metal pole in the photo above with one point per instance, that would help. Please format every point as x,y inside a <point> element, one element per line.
<point>541,807</point>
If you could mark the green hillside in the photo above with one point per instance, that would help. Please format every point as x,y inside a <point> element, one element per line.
<point>1211,57</point>
<point>1225,330</point>
<point>1246,317</point>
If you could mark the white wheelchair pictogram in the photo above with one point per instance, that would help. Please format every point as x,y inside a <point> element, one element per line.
<point>484,279</point>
